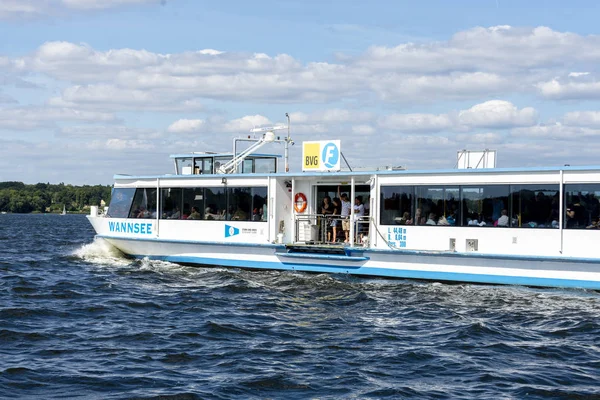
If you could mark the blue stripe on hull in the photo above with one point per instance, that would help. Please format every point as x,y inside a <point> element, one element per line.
<point>366,251</point>
<point>385,272</point>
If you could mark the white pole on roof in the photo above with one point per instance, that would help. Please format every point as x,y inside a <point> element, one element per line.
<point>286,145</point>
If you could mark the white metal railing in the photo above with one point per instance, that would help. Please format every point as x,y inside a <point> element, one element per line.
<point>318,229</point>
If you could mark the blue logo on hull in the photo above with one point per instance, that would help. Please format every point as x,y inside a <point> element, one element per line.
<point>231,231</point>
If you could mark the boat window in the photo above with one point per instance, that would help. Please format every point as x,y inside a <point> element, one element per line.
<point>517,206</point>
<point>240,204</point>
<point>361,191</point>
<point>259,204</point>
<point>485,205</point>
<point>120,202</point>
<point>265,165</point>
<point>534,206</point>
<point>193,203</point>
<point>247,166</point>
<point>582,207</point>
<point>171,203</point>
<point>437,205</point>
<point>203,165</point>
<point>144,203</point>
<point>215,204</point>
<point>212,203</point>
<point>219,161</point>
<point>184,166</point>
<point>397,205</point>
<point>207,166</point>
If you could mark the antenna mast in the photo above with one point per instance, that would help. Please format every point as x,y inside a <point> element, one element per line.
<point>288,140</point>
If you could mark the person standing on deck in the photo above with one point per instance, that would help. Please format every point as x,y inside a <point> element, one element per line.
<point>359,211</point>
<point>345,213</point>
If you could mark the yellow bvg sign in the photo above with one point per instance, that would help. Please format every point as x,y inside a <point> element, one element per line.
<point>321,156</point>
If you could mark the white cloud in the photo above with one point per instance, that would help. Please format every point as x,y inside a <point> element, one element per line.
<point>334,115</point>
<point>29,118</point>
<point>246,123</point>
<point>583,118</point>
<point>416,122</point>
<point>387,104</point>
<point>186,126</point>
<point>556,131</point>
<point>18,9</point>
<point>497,114</point>
<point>487,138</point>
<point>98,4</point>
<point>397,87</point>
<point>555,89</point>
<point>480,62</point>
<point>89,132</point>
<point>577,74</point>
<point>121,144</point>
<point>363,130</point>
<point>492,49</point>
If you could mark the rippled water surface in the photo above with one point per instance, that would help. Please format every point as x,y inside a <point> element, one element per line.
<point>77,320</point>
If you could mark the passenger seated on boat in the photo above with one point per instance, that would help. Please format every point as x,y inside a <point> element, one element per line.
<point>418,217</point>
<point>443,221</point>
<point>228,215</point>
<point>240,215</point>
<point>143,213</point>
<point>572,220</point>
<point>255,215</point>
<point>431,220</point>
<point>208,214</point>
<point>263,213</point>
<point>176,213</point>
<point>404,220</point>
<point>594,224</point>
<point>451,219</point>
<point>195,213</point>
<point>503,220</point>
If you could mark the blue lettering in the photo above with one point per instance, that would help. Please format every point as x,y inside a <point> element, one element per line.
<point>131,227</point>
<point>402,244</point>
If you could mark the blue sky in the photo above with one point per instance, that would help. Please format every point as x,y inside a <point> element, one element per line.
<point>90,88</point>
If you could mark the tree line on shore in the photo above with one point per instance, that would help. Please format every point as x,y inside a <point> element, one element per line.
<point>17,197</point>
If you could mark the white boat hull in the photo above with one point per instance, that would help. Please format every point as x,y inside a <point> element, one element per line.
<point>440,266</point>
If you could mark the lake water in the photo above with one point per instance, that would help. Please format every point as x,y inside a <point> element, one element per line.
<point>77,320</point>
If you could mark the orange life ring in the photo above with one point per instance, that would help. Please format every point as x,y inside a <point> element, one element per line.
<point>300,202</point>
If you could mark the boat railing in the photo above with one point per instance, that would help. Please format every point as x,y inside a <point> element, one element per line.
<point>318,229</point>
<point>361,231</point>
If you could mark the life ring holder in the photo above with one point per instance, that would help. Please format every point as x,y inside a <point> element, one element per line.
<point>300,202</point>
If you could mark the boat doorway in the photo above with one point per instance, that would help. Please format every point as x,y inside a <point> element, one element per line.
<point>330,224</point>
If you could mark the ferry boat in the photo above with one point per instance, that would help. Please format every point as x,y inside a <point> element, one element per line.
<point>523,226</point>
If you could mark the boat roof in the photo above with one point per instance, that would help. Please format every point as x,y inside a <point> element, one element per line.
<point>210,154</point>
<point>348,173</point>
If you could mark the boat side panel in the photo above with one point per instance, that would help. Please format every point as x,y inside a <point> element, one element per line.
<point>445,267</point>
<point>492,240</point>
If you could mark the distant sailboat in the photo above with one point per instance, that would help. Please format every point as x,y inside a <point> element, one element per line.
<point>64,210</point>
